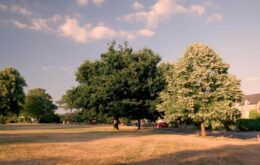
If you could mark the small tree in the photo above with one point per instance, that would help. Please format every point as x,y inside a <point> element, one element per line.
<point>39,104</point>
<point>201,89</point>
<point>11,92</point>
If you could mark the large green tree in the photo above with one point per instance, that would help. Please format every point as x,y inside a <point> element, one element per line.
<point>38,104</point>
<point>123,83</point>
<point>11,91</point>
<point>200,89</point>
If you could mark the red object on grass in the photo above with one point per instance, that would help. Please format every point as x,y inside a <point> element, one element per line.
<point>162,125</point>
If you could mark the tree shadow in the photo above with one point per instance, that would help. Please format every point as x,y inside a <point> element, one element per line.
<point>228,154</point>
<point>234,135</point>
<point>41,161</point>
<point>55,137</point>
<point>43,126</point>
<point>38,161</point>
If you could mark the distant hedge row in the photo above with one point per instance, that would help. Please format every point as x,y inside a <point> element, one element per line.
<point>248,124</point>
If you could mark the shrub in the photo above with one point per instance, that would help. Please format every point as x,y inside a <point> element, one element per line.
<point>50,118</point>
<point>248,124</point>
<point>254,115</point>
<point>2,119</point>
<point>12,119</point>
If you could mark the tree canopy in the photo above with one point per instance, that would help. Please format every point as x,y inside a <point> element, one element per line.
<point>38,104</point>
<point>123,83</point>
<point>11,91</point>
<point>199,88</point>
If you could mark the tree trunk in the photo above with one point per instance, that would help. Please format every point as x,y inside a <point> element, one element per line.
<point>116,123</point>
<point>139,124</point>
<point>203,131</point>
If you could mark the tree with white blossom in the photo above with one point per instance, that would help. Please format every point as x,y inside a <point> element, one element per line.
<point>199,88</point>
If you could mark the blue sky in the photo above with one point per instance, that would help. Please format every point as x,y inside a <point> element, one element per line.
<point>47,40</point>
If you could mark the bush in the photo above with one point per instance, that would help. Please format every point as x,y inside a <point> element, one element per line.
<point>12,119</point>
<point>254,115</point>
<point>2,119</point>
<point>248,124</point>
<point>50,118</point>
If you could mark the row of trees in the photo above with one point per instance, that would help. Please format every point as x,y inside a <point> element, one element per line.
<point>36,104</point>
<point>123,83</point>
<point>131,84</point>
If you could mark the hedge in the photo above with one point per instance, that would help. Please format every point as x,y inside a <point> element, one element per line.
<point>248,124</point>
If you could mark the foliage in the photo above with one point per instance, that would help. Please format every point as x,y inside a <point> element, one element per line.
<point>11,91</point>
<point>50,118</point>
<point>2,119</point>
<point>74,98</point>
<point>122,83</point>
<point>248,124</point>
<point>199,88</point>
<point>254,115</point>
<point>12,119</point>
<point>39,105</point>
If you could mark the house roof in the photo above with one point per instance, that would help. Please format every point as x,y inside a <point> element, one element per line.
<point>253,99</point>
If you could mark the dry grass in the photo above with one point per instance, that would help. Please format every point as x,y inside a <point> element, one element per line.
<point>59,144</point>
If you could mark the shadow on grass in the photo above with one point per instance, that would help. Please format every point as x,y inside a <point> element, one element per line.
<point>42,161</point>
<point>42,126</point>
<point>91,134</point>
<point>54,137</point>
<point>235,135</point>
<point>225,155</point>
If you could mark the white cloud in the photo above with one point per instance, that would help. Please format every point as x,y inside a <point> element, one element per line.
<point>85,33</point>
<point>198,9</point>
<point>215,17</point>
<point>98,3</point>
<point>89,33</point>
<point>38,24</point>
<point>101,32</point>
<point>72,29</point>
<point>162,10</point>
<point>255,78</point>
<point>16,9</point>
<point>145,32</point>
<point>3,7</point>
<point>20,10</point>
<point>129,35</point>
<point>19,24</point>
<point>137,6</point>
<point>82,2</point>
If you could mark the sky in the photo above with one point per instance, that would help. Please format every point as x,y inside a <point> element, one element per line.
<point>47,40</point>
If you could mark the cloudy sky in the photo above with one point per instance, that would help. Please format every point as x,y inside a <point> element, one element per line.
<point>47,40</point>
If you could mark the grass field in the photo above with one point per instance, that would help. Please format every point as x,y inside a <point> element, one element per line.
<point>71,144</point>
